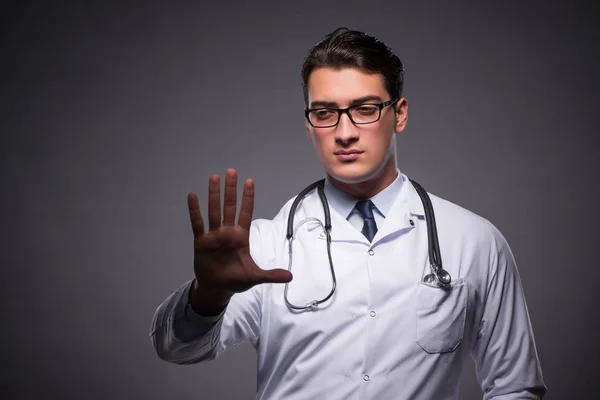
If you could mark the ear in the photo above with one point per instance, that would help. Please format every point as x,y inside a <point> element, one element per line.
<point>401,109</point>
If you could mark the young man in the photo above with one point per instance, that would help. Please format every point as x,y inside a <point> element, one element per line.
<point>383,333</point>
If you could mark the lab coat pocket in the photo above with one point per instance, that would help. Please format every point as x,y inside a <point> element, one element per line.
<point>441,316</point>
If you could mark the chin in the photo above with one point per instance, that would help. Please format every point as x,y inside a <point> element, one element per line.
<point>353,173</point>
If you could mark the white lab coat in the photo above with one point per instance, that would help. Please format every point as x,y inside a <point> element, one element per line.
<point>384,334</point>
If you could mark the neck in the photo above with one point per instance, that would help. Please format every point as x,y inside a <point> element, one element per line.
<point>370,187</point>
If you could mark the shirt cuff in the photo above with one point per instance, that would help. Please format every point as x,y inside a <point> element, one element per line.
<point>188,325</point>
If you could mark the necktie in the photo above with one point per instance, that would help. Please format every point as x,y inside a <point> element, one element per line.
<point>365,208</point>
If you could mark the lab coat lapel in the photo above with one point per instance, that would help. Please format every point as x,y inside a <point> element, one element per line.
<point>405,208</point>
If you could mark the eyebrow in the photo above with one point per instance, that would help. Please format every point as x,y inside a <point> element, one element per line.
<point>354,102</point>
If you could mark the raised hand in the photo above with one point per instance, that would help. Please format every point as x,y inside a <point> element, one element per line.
<point>222,262</point>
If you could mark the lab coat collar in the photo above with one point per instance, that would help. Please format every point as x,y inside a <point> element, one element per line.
<point>412,197</point>
<point>407,204</point>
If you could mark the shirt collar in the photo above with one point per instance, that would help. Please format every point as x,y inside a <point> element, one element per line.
<point>344,202</point>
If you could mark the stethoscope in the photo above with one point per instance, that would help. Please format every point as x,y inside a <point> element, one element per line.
<point>438,276</point>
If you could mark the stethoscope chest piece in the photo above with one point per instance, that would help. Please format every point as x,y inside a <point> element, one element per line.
<point>438,276</point>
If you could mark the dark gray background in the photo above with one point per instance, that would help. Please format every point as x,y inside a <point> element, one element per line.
<point>113,113</point>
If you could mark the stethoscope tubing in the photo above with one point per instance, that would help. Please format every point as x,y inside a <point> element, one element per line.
<point>438,275</point>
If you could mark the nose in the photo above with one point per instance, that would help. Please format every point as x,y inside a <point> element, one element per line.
<point>345,131</point>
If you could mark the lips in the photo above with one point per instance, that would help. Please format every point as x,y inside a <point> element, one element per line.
<point>347,155</point>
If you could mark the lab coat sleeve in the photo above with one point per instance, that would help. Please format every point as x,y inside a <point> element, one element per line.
<point>504,351</point>
<point>182,337</point>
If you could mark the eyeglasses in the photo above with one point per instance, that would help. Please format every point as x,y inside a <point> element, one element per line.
<point>359,114</point>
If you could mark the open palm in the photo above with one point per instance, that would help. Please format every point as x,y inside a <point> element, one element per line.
<point>222,261</point>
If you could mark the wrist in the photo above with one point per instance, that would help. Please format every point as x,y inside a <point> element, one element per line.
<point>207,302</point>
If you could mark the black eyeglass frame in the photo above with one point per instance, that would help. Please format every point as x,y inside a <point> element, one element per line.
<point>346,111</point>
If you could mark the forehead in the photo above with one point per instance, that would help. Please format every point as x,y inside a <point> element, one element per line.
<point>343,85</point>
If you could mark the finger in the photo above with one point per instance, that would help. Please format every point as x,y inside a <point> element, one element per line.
<point>230,197</point>
<point>247,206</point>
<point>195,216</point>
<point>214,203</point>
<point>274,276</point>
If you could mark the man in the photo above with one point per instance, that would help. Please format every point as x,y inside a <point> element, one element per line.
<point>382,333</point>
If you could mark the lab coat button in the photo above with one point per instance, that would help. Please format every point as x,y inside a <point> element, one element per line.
<point>373,313</point>
<point>371,252</point>
<point>412,223</point>
<point>366,378</point>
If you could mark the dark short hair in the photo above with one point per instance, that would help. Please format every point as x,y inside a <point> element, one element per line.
<point>344,48</point>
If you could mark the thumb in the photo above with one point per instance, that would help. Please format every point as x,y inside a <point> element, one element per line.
<point>274,276</point>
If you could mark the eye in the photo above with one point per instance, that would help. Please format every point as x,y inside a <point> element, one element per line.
<point>324,114</point>
<point>366,110</point>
